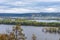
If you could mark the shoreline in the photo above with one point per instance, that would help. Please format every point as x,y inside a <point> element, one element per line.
<point>29,23</point>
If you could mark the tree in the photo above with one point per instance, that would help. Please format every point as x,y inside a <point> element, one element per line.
<point>34,37</point>
<point>3,37</point>
<point>17,33</point>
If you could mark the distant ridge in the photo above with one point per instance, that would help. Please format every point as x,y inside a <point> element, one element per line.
<point>29,14</point>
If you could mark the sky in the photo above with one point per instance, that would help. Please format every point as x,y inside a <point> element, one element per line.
<point>29,6</point>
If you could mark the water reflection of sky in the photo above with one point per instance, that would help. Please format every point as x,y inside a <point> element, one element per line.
<point>29,30</point>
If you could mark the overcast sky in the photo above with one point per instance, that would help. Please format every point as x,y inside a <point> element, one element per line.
<point>29,6</point>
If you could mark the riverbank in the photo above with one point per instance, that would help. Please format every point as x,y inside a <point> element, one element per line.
<point>29,23</point>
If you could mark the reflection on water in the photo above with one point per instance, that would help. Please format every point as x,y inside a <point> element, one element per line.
<point>29,30</point>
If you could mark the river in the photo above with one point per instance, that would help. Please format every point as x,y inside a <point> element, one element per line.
<point>46,20</point>
<point>29,30</point>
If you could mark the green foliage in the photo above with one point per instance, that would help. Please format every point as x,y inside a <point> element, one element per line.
<point>28,22</point>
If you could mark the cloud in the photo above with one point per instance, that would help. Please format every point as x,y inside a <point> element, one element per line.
<point>39,0</point>
<point>50,9</point>
<point>29,6</point>
<point>17,10</point>
<point>18,3</point>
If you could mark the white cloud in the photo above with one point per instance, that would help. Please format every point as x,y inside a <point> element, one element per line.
<point>28,6</point>
<point>50,10</point>
<point>17,10</point>
<point>2,1</point>
<point>19,3</point>
<point>41,0</point>
<point>29,0</point>
<point>25,10</point>
<point>2,7</point>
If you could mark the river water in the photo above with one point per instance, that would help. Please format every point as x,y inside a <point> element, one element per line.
<point>29,30</point>
<point>46,20</point>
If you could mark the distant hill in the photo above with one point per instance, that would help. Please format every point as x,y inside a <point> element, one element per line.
<point>29,14</point>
